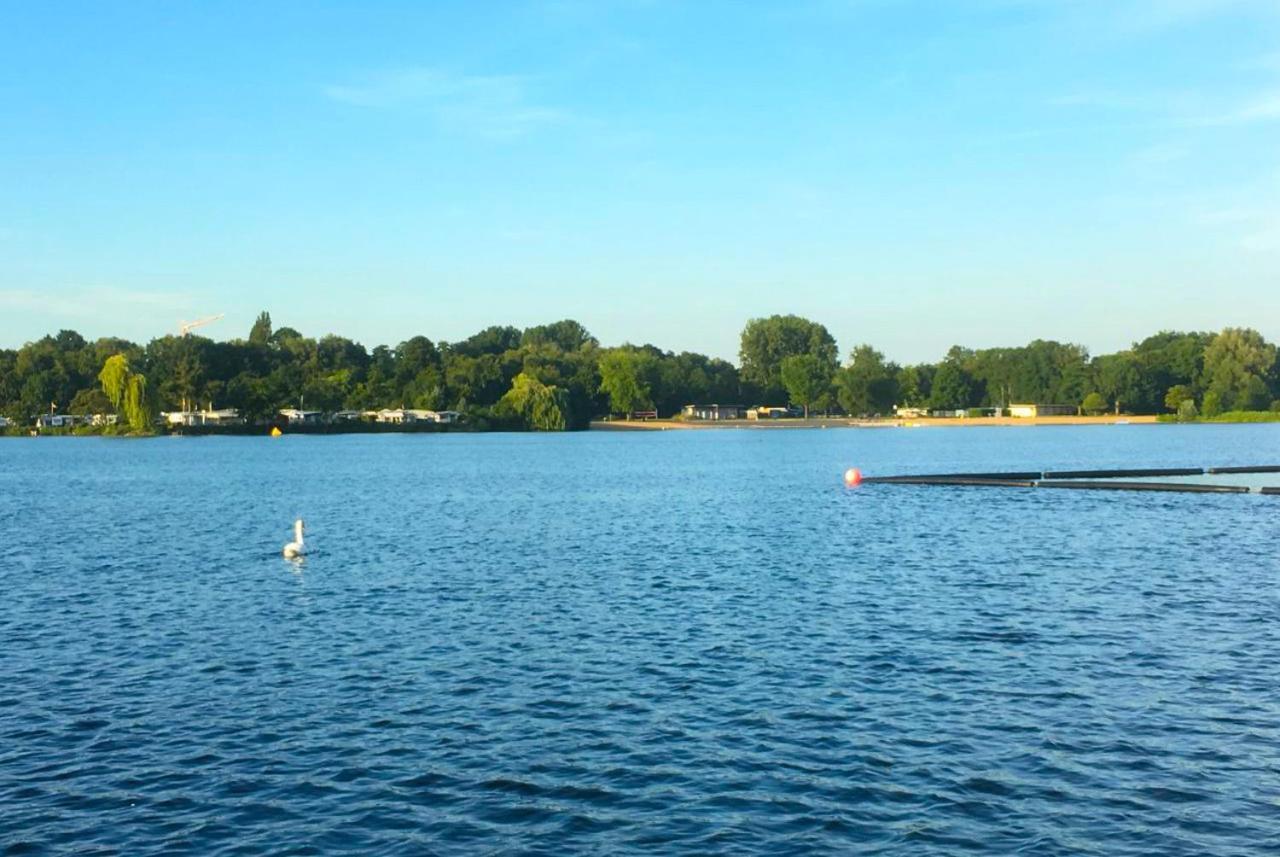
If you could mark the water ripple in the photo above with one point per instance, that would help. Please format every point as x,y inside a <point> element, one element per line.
<point>678,643</point>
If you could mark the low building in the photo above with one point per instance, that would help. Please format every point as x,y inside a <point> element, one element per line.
<point>712,412</point>
<point>768,412</point>
<point>393,415</point>
<point>347,416</point>
<point>212,417</point>
<point>949,413</point>
<point>4,422</point>
<point>416,415</point>
<point>907,413</point>
<point>61,420</point>
<point>104,419</point>
<point>1033,411</point>
<point>295,416</point>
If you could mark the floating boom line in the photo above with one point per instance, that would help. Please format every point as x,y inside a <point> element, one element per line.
<point>1092,480</point>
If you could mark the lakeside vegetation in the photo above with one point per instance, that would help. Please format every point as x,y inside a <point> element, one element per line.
<point>558,376</point>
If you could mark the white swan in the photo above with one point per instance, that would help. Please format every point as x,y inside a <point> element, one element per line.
<point>297,547</point>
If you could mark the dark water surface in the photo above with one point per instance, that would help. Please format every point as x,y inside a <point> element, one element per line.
<point>672,642</point>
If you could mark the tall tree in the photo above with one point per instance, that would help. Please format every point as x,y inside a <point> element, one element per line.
<point>1236,364</point>
<point>624,378</point>
<point>115,379</point>
<point>260,333</point>
<point>806,377</point>
<point>766,342</point>
<point>137,407</point>
<point>953,387</point>
<point>867,384</point>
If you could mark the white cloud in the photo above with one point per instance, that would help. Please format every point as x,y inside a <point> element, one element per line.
<point>1264,237</point>
<point>1260,110</point>
<point>95,302</point>
<point>1253,228</point>
<point>1160,155</point>
<point>495,106</point>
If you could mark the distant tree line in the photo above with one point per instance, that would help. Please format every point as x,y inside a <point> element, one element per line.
<point>557,376</point>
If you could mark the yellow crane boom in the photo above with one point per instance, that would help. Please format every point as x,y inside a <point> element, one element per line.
<point>186,327</point>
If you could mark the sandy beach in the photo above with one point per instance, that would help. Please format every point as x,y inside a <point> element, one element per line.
<point>845,422</point>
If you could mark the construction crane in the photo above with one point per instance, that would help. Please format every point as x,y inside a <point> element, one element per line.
<point>186,327</point>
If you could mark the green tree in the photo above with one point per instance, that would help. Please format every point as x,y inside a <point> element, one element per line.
<point>1212,404</point>
<point>867,384</point>
<point>538,406</point>
<point>806,377</point>
<point>260,333</point>
<point>137,407</point>
<point>624,378</point>
<point>115,379</point>
<point>1176,395</point>
<point>1236,363</point>
<point>567,335</point>
<point>914,384</point>
<point>1187,411</point>
<point>766,342</point>
<point>90,400</point>
<point>1094,404</point>
<point>953,387</point>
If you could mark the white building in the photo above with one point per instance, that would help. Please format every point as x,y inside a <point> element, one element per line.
<point>416,415</point>
<point>219,417</point>
<point>59,420</point>
<point>299,417</point>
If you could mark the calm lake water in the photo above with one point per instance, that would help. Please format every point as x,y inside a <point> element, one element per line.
<point>669,642</point>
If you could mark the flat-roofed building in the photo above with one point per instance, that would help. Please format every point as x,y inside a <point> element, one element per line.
<point>712,412</point>
<point>1032,411</point>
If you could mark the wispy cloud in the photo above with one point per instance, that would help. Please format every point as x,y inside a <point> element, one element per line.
<point>1178,109</point>
<point>495,106</point>
<point>1146,15</point>
<point>94,302</point>
<point>1255,229</point>
<point>1263,108</point>
<point>1159,155</point>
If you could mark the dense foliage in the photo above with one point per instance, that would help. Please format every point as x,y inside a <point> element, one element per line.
<point>557,376</point>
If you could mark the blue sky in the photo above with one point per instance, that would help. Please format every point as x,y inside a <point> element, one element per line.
<point>911,174</point>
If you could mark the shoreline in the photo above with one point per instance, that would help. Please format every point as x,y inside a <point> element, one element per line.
<point>845,422</point>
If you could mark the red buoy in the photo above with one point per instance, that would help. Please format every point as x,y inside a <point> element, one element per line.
<point>852,477</point>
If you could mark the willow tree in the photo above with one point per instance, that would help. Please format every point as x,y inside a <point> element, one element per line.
<point>137,410</point>
<point>115,379</point>
<point>542,407</point>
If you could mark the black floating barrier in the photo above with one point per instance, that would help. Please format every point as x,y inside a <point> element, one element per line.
<point>1265,468</point>
<point>954,480</point>
<point>1182,487</point>
<point>1270,490</point>
<point>1112,474</point>
<point>915,478</point>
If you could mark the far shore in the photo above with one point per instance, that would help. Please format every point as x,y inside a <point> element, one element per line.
<point>846,422</point>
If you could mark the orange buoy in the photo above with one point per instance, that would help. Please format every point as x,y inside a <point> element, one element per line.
<point>852,477</point>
